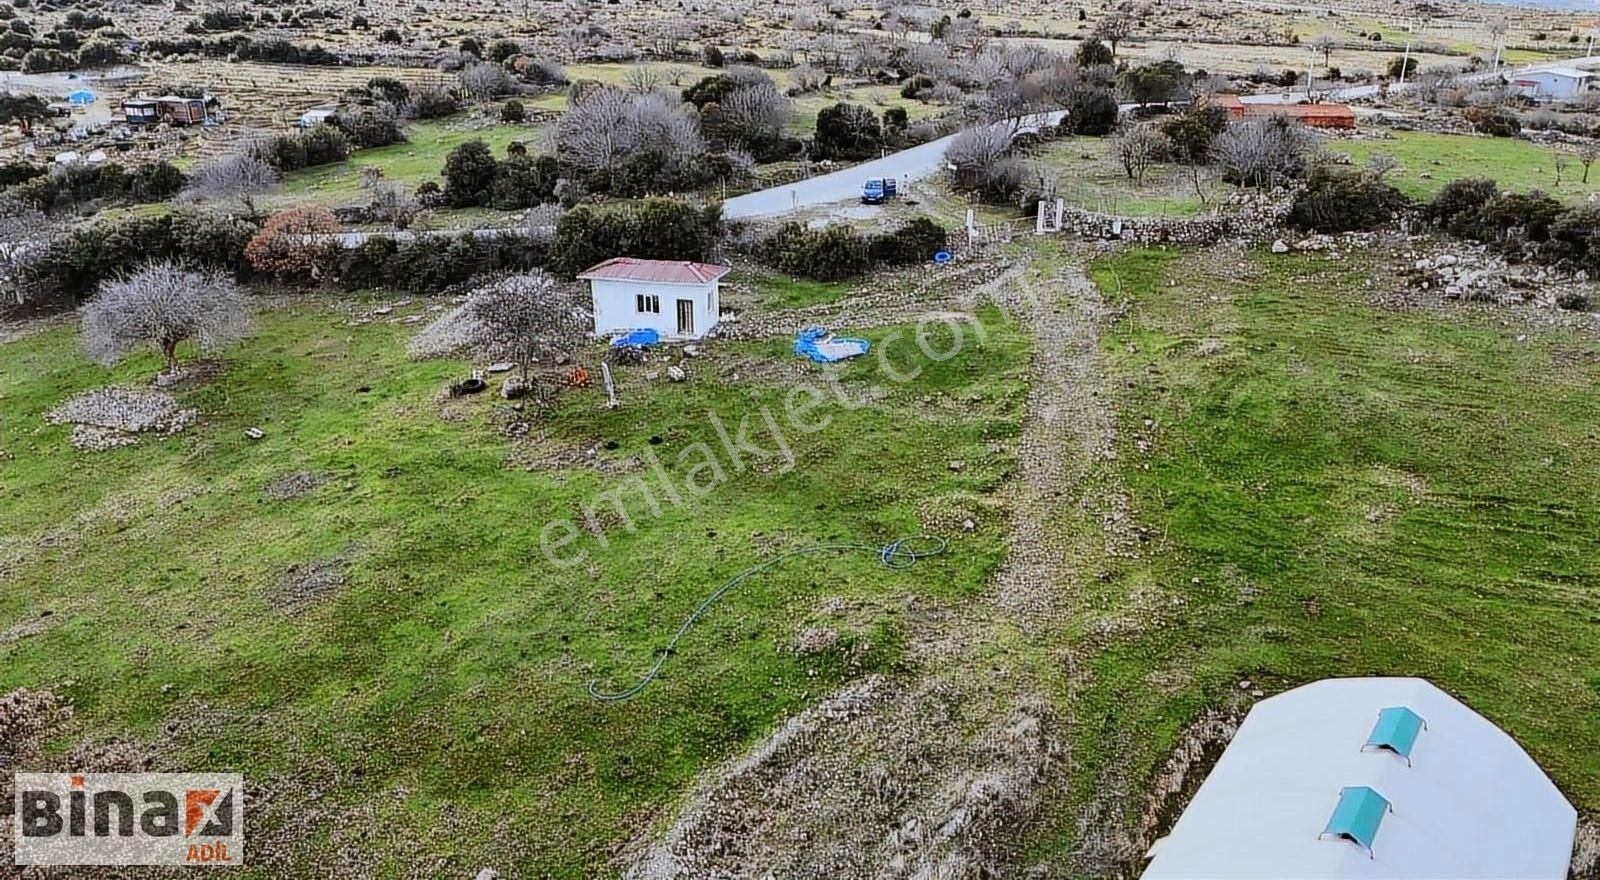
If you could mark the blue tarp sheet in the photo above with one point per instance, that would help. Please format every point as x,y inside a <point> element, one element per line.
<point>81,96</point>
<point>637,339</point>
<point>825,348</point>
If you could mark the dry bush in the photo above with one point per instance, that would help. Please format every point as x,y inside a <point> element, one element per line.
<point>292,242</point>
<point>239,177</point>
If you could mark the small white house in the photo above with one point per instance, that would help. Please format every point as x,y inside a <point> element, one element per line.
<point>1553,83</point>
<point>317,116</point>
<point>1370,778</point>
<point>677,299</point>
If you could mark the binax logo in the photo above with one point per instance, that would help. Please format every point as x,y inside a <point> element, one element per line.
<point>129,819</point>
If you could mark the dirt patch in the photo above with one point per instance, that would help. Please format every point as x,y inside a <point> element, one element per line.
<point>880,780</point>
<point>107,418</point>
<point>302,584</point>
<point>1586,852</point>
<point>296,484</point>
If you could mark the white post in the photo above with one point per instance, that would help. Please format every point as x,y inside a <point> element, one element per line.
<point>971,227</point>
<point>1038,219</point>
<point>611,388</point>
<point>1405,61</point>
<point>1061,207</point>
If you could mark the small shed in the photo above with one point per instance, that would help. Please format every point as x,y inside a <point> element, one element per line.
<point>1553,83</point>
<point>1372,778</point>
<point>677,299</point>
<point>141,111</point>
<point>317,116</point>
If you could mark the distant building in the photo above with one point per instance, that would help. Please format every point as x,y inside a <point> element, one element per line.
<point>1312,115</point>
<point>1373,778</point>
<point>317,116</point>
<point>171,109</point>
<point>679,300</point>
<point>1553,83</point>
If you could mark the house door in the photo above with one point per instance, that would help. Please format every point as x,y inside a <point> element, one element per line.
<point>685,317</point>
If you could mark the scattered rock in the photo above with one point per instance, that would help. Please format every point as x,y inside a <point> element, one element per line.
<point>110,417</point>
<point>294,485</point>
<point>253,433</point>
<point>514,388</point>
<point>815,640</point>
<point>1280,247</point>
<point>676,374</point>
<point>501,367</point>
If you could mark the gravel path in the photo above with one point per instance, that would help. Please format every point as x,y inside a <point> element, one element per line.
<point>1067,428</point>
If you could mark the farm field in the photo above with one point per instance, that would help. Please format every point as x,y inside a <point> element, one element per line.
<point>1516,164</point>
<point>418,160</point>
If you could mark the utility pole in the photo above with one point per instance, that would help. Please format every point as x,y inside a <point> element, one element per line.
<point>1405,61</point>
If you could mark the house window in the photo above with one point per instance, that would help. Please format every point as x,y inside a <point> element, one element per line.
<point>647,302</point>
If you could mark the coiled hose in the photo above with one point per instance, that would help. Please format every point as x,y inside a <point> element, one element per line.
<point>899,554</point>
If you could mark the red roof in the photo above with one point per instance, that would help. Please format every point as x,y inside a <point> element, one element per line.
<point>659,271</point>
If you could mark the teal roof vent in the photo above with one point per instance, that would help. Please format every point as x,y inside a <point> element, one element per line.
<point>1357,817</point>
<point>1397,731</point>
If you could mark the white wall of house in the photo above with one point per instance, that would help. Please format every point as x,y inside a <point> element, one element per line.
<point>1550,84</point>
<point>616,307</point>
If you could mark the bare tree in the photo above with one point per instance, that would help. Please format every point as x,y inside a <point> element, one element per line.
<point>1114,29</point>
<point>525,318</point>
<point>162,304</point>
<point>1323,45</point>
<point>25,233</point>
<point>239,178</point>
<point>1587,154</point>
<point>1560,161</point>
<point>1140,146</point>
<point>757,111</point>
<point>805,79</point>
<point>1382,165</point>
<point>606,126</point>
<point>643,79</point>
<point>486,80</point>
<point>1263,152</point>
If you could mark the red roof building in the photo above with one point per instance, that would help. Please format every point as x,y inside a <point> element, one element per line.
<point>677,299</point>
<point>655,271</point>
<point>1312,115</point>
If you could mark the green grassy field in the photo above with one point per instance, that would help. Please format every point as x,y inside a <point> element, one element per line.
<point>436,698</point>
<point>1516,164</point>
<point>420,159</point>
<point>1326,488</point>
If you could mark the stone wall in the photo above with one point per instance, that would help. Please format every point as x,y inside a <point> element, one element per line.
<point>1245,216</point>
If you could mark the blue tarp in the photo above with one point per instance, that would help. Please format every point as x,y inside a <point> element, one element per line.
<point>825,348</point>
<point>81,96</point>
<point>637,339</point>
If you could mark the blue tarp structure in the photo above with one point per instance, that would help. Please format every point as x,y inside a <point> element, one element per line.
<point>637,339</point>
<point>825,348</point>
<point>81,96</point>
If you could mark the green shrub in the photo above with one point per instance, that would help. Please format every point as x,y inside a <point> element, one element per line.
<point>660,229</point>
<point>914,242</point>
<point>847,131</point>
<point>1344,201</point>
<point>469,173</point>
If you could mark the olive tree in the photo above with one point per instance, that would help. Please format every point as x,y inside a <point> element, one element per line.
<point>163,304</point>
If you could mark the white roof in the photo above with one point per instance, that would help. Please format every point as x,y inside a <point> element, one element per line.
<point>1565,72</point>
<point>1471,805</point>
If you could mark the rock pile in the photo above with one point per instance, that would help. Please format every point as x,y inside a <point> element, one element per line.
<point>110,417</point>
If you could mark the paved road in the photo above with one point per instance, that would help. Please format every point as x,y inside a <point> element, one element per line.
<point>915,163</point>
